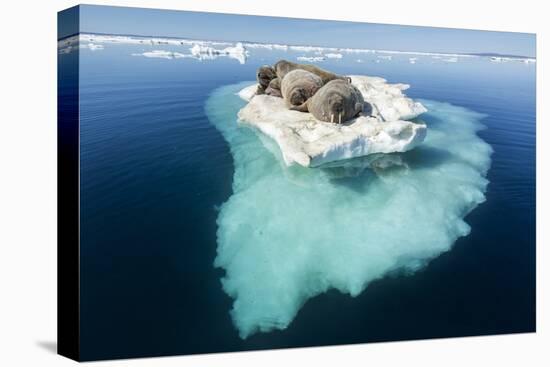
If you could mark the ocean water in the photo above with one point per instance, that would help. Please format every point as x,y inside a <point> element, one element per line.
<point>158,176</point>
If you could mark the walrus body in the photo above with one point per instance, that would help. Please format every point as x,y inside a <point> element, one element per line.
<point>283,67</point>
<point>274,88</point>
<point>298,86</point>
<point>337,101</point>
<point>270,77</point>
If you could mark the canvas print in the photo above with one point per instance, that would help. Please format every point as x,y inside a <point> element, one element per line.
<point>235,183</point>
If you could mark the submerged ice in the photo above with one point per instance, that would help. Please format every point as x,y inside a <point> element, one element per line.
<point>288,234</point>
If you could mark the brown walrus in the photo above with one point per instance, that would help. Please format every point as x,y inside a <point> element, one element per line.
<point>337,101</point>
<point>298,86</point>
<point>264,76</point>
<point>283,67</point>
<point>274,88</point>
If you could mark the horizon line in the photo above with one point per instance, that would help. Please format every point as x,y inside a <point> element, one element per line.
<point>435,53</point>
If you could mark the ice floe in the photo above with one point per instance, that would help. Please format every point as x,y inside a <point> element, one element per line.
<point>162,54</point>
<point>308,142</point>
<point>200,52</point>
<point>311,58</point>
<point>267,46</point>
<point>288,234</point>
<point>238,52</point>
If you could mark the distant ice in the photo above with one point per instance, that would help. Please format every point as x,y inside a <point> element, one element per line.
<point>267,46</point>
<point>137,40</point>
<point>238,52</point>
<point>69,47</point>
<point>91,46</point>
<point>307,48</point>
<point>311,58</point>
<point>64,46</point>
<point>333,56</point>
<point>288,234</point>
<point>200,53</point>
<point>450,59</point>
<point>511,59</point>
<point>162,54</point>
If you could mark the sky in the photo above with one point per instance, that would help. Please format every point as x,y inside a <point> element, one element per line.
<point>228,27</point>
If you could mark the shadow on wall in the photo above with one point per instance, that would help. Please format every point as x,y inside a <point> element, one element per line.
<point>50,346</point>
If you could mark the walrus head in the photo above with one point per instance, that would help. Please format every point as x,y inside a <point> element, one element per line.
<point>335,107</point>
<point>265,75</point>
<point>297,96</point>
<point>338,101</point>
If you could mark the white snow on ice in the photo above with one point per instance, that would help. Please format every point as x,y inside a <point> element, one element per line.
<point>308,142</point>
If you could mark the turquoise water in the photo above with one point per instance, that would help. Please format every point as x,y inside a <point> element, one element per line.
<point>289,234</point>
<point>195,235</point>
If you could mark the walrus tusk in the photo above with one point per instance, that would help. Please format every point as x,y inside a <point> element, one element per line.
<point>332,118</point>
<point>340,118</point>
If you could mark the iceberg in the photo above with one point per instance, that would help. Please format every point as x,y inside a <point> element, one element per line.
<point>308,142</point>
<point>288,234</point>
<point>203,52</point>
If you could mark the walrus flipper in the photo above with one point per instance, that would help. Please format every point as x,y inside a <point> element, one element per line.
<point>301,108</point>
<point>260,90</point>
<point>359,108</point>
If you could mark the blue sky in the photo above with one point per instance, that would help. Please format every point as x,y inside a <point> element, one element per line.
<point>227,27</point>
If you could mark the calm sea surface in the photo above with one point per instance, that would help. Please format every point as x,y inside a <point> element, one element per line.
<point>154,172</point>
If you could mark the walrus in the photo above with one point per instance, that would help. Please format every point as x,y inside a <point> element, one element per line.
<point>264,76</point>
<point>283,67</point>
<point>298,86</point>
<point>337,101</point>
<point>274,88</point>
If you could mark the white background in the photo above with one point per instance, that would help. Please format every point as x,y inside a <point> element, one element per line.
<point>28,183</point>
